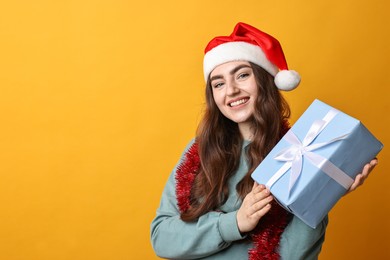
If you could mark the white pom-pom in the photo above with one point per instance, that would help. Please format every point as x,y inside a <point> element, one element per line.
<point>287,80</point>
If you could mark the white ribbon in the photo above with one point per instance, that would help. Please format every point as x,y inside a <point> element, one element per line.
<point>293,155</point>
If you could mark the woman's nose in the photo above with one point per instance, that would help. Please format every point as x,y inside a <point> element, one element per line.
<point>232,88</point>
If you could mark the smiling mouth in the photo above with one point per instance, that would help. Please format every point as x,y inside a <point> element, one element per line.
<point>238,102</point>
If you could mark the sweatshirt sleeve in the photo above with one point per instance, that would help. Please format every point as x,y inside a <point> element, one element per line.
<point>300,241</point>
<point>173,238</point>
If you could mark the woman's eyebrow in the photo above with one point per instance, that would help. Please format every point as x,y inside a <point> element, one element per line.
<point>232,72</point>
<point>216,77</point>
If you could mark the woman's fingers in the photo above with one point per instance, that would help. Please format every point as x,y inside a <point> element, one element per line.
<point>260,213</point>
<point>361,177</point>
<point>261,204</point>
<point>255,205</point>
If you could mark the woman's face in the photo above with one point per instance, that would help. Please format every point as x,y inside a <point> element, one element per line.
<point>235,90</point>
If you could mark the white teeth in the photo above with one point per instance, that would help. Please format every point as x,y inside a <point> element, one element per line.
<point>238,102</point>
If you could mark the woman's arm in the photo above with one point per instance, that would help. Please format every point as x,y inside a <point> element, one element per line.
<point>173,238</point>
<point>299,241</point>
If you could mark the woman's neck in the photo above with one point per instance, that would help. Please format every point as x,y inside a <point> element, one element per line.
<point>246,130</point>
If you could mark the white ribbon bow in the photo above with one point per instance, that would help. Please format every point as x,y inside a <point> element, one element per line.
<point>293,155</point>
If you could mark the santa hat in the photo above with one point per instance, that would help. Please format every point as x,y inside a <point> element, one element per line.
<point>250,44</point>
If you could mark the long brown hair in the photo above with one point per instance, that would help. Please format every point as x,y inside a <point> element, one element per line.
<point>220,144</point>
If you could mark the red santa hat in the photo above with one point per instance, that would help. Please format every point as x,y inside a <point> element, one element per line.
<point>250,44</point>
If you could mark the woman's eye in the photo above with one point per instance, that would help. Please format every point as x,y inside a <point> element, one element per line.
<point>243,75</point>
<point>218,85</point>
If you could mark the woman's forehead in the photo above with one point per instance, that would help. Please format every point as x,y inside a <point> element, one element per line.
<point>229,67</point>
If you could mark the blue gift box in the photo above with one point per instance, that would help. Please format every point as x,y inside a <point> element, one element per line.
<point>315,163</point>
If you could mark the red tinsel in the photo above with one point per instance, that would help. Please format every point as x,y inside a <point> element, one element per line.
<point>265,236</point>
<point>185,176</point>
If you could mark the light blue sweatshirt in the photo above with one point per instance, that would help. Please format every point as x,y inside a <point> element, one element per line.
<point>215,235</point>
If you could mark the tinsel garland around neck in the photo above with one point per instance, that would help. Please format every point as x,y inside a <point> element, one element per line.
<point>265,236</point>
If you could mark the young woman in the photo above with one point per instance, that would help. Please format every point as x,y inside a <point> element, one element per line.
<point>210,207</point>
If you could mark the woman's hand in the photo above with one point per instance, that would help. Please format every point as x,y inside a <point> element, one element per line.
<point>361,177</point>
<point>255,205</point>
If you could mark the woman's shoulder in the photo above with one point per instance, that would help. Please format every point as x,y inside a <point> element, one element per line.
<point>188,148</point>
<point>190,144</point>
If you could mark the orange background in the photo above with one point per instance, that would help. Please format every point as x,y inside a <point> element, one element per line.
<point>99,98</point>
